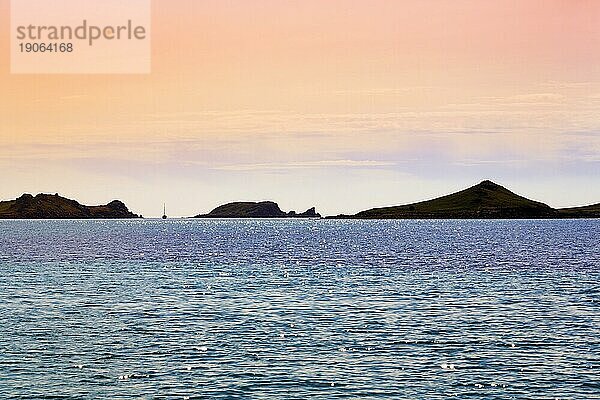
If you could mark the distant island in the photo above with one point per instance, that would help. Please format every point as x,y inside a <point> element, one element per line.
<point>47,206</point>
<point>592,211</point>
<point>486,200</point>
<point>263,209</point>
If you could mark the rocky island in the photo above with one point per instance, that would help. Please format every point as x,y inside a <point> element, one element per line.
<point>263,209</point>
<point>47,206</point>
<point>486,200</point>
<point>592,211</point>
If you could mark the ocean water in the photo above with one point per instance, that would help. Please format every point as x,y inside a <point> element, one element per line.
<point>296,309</point>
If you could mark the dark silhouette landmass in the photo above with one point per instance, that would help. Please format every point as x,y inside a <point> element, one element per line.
<point>592,211</point>
<point>47,206</point>
<point>263,209</point>
<point>487,200</point>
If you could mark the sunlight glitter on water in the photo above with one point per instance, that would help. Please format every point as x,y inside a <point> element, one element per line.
<point>296,309</point>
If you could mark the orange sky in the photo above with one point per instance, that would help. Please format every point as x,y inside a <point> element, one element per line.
<point>340,104</point>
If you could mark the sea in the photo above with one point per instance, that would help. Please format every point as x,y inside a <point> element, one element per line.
<point>300,309</point>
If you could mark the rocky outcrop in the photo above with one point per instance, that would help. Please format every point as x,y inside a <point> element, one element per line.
<point>263,209</point>
<point>46,206</point>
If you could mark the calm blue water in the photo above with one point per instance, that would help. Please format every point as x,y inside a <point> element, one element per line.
<point>291,309</point>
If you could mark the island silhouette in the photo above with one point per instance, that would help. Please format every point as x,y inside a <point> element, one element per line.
<point>48,206</point>
<point>263,209</point>
<point>486,200</point>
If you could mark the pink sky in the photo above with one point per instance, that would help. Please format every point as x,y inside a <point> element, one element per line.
<point>340,104</point>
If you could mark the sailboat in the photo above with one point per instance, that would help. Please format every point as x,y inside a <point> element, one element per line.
<point>164,211</point>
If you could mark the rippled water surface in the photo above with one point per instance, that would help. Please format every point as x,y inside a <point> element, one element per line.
<point>282,309</point>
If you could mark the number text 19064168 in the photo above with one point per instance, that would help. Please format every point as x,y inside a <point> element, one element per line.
<point>46,47</point>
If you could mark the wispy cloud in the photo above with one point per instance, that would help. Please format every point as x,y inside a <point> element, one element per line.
<point>73,97</point>
<point>568,85</point>
<point>385,91</point>
<point>305,164</point>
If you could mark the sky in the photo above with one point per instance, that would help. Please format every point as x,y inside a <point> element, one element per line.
<point>343,105</point>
